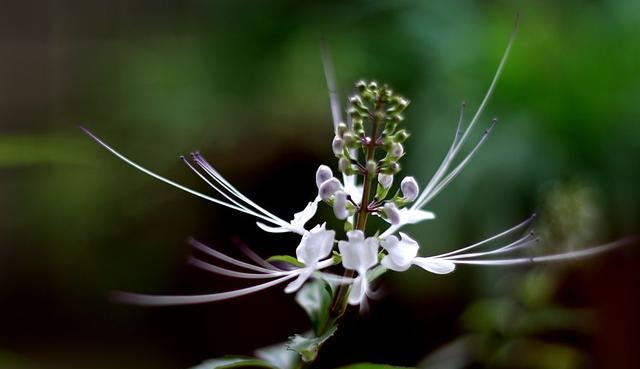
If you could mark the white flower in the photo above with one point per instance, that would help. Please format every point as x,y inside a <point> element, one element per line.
<point>314,246</point>
<point>358,254</point>
<point>401,254</point>
<point>297,223</point>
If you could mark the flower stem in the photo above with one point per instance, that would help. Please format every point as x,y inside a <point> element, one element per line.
<point>339,303</point>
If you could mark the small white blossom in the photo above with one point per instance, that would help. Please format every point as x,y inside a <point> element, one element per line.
<point>358,254</point>
<point>314,246</point>
<point>401,254</point>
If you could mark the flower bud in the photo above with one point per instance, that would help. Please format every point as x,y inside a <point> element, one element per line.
<point>348,139</point>
<point>396,150</point>
<point>342,129</point>
<point>409,188</point>
<point>401,136</point>
<point>385,180</point>
<point>392,213</point>
<point>340,205</point>
<point>328,188</point>
<point>322,174</point>
<point>394,167</point>
<point>361,85</point>
<point>344,164</point>
<point>371,167</point>
<point>358,105</point>
<point>337,145</point>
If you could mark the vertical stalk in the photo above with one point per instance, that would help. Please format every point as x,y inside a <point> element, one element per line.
<point>339,303</point>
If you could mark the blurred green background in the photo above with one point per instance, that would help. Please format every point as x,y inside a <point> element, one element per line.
<point>242,81</point>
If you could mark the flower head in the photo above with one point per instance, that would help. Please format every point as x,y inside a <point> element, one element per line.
<point>369,146</point>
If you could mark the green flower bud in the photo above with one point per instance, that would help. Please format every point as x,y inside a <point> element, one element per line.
<point>401,136</point>
<point>371,167</point>
<point>342,129</point>
<point>344,164</point>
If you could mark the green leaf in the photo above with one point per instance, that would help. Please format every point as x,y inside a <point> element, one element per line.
<point>373,366</point>
<point>235,362</point>
<point>308,347</point>
<point>279,355</point>
<point>286,259</point>
<point>315,299</point>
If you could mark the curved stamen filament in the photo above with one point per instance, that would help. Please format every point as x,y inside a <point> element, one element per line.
<point>492,238</point>
<point>218,255</point>
<point>232,273</point>
<point>163,300</point>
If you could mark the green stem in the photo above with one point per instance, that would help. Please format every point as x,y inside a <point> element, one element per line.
<point>339,303</point>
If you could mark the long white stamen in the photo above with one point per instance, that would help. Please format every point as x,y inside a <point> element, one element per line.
<point>524,242</point>
<point>233,273</point>
<point>159,300</point>
<point>330,77</point>
<point>217,254</point>
<point>492,87</point>
<point>255,257</point>
<point>159,177</point>
<point>223,182</point>
<point>234,201</point>
<point>555,257</point>
<point>447,159</point>
<point>459,140</point>
<point>499,235</point>
<point>440,186</point>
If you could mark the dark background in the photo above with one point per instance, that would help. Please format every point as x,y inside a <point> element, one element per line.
<point>242,81</point>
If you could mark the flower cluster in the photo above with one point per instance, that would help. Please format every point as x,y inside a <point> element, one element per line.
<point>368,146</point>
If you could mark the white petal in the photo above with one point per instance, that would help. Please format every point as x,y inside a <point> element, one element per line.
<point>388,263</point>
<point>437,266</point>
<point>412,216</point>
<point>270,229</point>
<point>358,290</point>
<point>298,282</point>
<point>315,245</point>
<point>401,252</point>
<point>358,253</point>
<point>301,218</point>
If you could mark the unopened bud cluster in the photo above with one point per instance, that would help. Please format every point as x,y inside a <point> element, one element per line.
<point>374,112</point>
<point>371,146</point>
